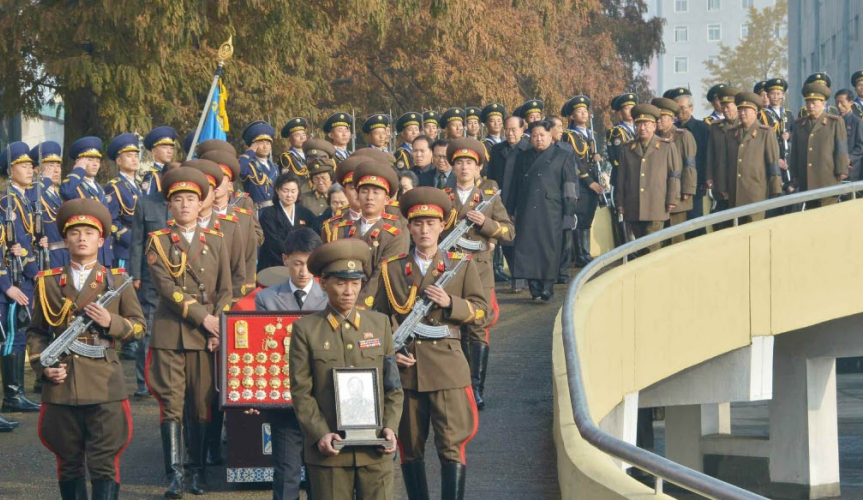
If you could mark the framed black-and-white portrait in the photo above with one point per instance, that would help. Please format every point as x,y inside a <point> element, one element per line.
<point>357,398</point>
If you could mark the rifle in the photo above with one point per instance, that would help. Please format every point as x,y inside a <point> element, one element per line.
<point>455,237</point>
<point>411,326</point>
<point>786,174</point>
<point>16,266</point>
<point>67,342</point>
<point>353,130</point>
<point>597,164</point>
<point>38,222</point>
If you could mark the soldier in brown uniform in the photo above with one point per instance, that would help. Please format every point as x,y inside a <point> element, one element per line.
<point>382,232</point>
<point>345,177</point>
<point>752,156</point>
<point>340,336</point>
<point>819,146</point>
<point>229,202</point>
<point>686,147</point>
<point>321,171</point>
<point>191,272</point>
<point>648,178</point>
<point>434,373</point>
<point>717,171</point>
<point>86,420</point>
<point>491,227</point>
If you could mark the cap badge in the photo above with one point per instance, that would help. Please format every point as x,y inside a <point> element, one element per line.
<point>352,265</point>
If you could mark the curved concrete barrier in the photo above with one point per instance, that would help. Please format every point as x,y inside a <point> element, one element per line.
<point>658,315</point>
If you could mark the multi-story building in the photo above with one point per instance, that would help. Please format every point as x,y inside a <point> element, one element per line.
<point>692,33</point>
<point>823,36</point>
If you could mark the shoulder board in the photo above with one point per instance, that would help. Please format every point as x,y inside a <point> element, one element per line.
<point>118,270</point>
<point>489,191</point>
<point>346,223</point>
<point>393,203</point>
<point>113,181</point>
<point>232,218</point>
<point>154,170</point>
<point>396,257</point>
<point>389,216</point>
<point>171,222</point>
<point>765,127</point>
<point>241,195</point>
<point>160,232</point>
<point>833,117</point>
<point>458,255</point>
<point>616,130</point>
<point>665,140</point>
<point>207,230</point>
<point>242,210</point>
<point>447,190</point>
<point>679,130</point>
<point>392,229</point>
<point>50,272</point>
<point>333,219</point>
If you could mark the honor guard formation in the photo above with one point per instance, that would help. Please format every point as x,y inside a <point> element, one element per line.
<point>393,252</point>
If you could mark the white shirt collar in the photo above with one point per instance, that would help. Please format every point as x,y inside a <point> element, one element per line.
<point>423,261</point>
<point>291,215</point>
<point>307,288</point>
<point>80,273</point>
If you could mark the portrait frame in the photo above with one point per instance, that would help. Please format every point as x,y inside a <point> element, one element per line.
<point>342,377</point>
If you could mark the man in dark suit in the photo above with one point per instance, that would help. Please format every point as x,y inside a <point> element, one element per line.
<point>854,128</point>
<point>298,293</point>
<point>151,215</point>
<point>500,169</point>
<point>441,177</point>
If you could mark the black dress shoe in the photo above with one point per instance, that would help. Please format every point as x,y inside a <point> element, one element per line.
<point>7,425</point>
<point>546,296</point>
<point>562,280</point>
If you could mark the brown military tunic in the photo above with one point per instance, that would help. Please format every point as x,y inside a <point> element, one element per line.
<point>819,152</point>
<point>233,237</point>
<point>438,387</point>
<point>86,421</point>
<point>178,365</point>
<point>752,156</point>
<point>314,201</point>
<point>684,141</point>
<point>253,235</point>
<point>648,179</point>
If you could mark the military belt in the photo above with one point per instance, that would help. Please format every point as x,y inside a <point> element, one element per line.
<point>264,204</point>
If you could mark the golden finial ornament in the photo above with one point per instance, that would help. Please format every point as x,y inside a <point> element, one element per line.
<point>226,50</point>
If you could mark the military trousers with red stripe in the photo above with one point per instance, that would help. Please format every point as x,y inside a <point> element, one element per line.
<point>88,438</point>
<point>451,413</point>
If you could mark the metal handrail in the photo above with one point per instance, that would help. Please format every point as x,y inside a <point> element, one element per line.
<point>661,467</point>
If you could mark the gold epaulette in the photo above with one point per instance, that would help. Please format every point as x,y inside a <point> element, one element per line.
<point>393,203</point>
<point>50,272</point>
<point>118,270</point>
<point>160,232</point>
<point>397,257</point>
<point>242,210</point>
<point>113,181</point>
<point>232,218</point>
<point>458,256</point>
<point>392,229</point>
<point>389,216</point>
<point>207,230</point>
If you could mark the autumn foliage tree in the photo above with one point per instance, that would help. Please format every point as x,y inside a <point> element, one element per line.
<point>127,66</point>
<point>762,55</point>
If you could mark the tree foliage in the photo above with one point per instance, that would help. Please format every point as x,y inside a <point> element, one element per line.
<point>127,65</point>
<point>759,56</point>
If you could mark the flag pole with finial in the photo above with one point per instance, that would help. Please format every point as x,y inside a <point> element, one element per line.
<point>226,50</point>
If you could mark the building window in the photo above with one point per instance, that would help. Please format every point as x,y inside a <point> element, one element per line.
<point>712,60</point>
<point>681,5</point>
<point>744,31</point>
<point>681,64</point>
<point>713,4</point>
<point>714,32</point>
<point>746,4</point>
<point>681,34</point>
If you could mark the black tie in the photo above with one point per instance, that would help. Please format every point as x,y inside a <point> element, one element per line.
<point>441,181</point>
<point>299,295</point>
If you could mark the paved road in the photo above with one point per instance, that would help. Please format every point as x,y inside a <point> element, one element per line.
<point>512,456</point>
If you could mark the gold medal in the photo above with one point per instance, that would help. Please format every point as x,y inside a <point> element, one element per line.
<point>272,344</point>
<point>274,394</point>
<point>233,383</point>
<point>234,396</point>
<point>233,358</point>
<point>247,370</point>
<point>247,394</point>
<point>286,395</point>
<point>234,371</point>
<point>286,370</point>
<point>274,370</point>
<point>261,383</point>
<point>275,383</point>
<point>275,357</point>
<point>248,382</point>
<point>261,357</point>
<point>270,329</point>
<point>260,370</point>
<point>248,358</point>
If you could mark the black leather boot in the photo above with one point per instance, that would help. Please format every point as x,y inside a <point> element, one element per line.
<point>197,456</point>
<point>105,489</point>
<point>453,476</point>
<point>414,474</point>
<point>499,274</point>
<point>477,371</point>
<point>173,455</point>
<point>73,489</point>
<point>7,425</point>
<point>14,400</point>
<point>583,257</point>
<point>214,435</point>
<point>483,369</point>
<point>129,351</point>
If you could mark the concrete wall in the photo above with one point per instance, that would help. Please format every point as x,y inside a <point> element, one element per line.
<point>658,315</point>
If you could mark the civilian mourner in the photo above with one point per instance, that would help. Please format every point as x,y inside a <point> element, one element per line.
<point>191,272</point>
<point>86,419</point>
<point>434,373</point>
<point>340,336</point>
<point>544,188</point>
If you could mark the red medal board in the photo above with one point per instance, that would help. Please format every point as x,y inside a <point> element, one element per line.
<point>254,368</point>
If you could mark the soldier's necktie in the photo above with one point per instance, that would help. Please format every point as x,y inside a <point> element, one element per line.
<point>299,295</point>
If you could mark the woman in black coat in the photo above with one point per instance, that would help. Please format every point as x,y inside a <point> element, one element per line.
<point>281,218</point>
